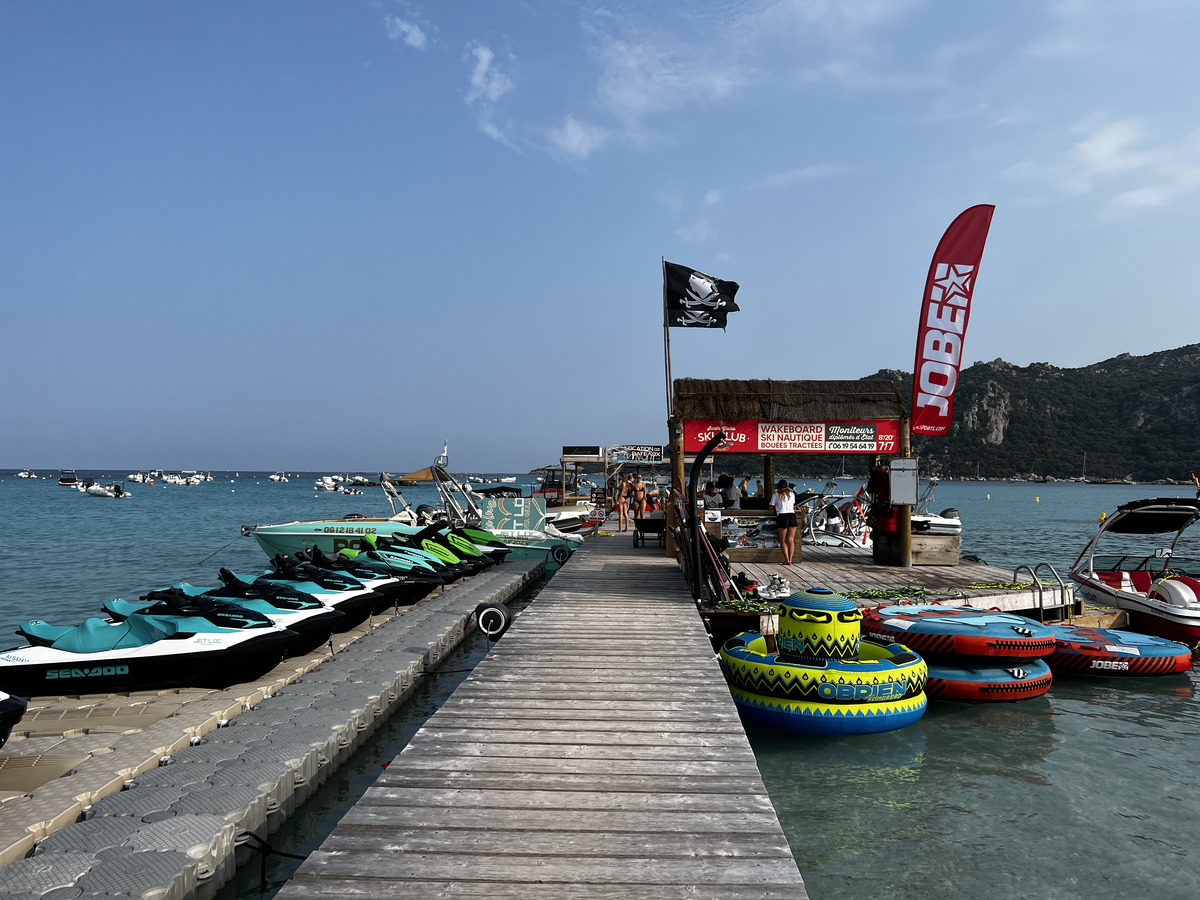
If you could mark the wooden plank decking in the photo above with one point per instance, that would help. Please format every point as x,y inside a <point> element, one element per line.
<point>844,569</point>
<point>595,752</point>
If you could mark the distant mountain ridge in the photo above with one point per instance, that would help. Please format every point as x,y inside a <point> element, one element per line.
<point>1131,415</point>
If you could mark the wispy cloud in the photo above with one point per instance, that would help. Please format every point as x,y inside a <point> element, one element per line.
<point>403,31</point>
<point>783,180</point>
<point>697,233</point>
<point>487,84</point>
<point>578,139</point>
<point>1120,160</point>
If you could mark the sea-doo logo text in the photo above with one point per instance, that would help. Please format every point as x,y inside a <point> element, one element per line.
<point>1115,665</point>
<point>95,672</point>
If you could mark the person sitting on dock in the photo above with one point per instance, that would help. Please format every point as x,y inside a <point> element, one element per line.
<point>712,500</point>
<point>833,520</point>
<point>783,502</point>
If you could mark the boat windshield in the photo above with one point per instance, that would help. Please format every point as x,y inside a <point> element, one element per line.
<point>1157,566</point>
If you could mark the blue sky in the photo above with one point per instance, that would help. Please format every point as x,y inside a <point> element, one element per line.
<point>331,235</point>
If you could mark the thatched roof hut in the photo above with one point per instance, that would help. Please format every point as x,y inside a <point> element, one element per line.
<point>787,401</point>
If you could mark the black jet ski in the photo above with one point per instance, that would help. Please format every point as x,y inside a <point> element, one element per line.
<point>415,585</point>
<point>312,620</point>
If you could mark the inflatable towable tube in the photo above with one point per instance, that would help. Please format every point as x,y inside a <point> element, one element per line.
<point>1104,651</point>
<point>950,633</point>
<point>803,688</point>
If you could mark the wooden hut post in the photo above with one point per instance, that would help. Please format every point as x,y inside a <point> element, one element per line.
<point>675,430</point>
<point>904,513</point>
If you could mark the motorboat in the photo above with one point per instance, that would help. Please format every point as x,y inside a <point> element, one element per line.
<point>458,509</point>
<point>325,483</point>
<point>1158,587</point>
<point>224,647</point>
<point>112,491</point>
<point>68,478</point>
<point>278,476</point>
<point>925,522</point>
<point>27,473</point>
<point>11,710</point>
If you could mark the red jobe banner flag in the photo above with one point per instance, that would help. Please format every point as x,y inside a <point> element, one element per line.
<point>945,309</point>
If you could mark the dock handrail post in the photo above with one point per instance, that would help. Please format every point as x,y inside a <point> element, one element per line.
<point>904,513</point>
<point>1037,586</point>
<point>675,430</point>
<point>694,518</point>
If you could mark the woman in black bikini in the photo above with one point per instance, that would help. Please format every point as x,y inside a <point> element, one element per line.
<point>639,497</point>
<point>621,503</point>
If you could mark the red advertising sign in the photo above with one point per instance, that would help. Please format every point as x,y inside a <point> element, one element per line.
<point>945,308</point>
<point>750,436</point>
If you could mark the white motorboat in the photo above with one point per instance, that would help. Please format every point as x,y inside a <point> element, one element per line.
<point>325,483</point>
<point>27,473</point>
<point>925,522</point>
<point>1158,587</point>
<point>112,491</point>
<point>278,476</point>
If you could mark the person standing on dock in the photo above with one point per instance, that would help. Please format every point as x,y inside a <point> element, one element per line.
<point>639,497</point>
<point>621,503</point>
<point>783,501</point>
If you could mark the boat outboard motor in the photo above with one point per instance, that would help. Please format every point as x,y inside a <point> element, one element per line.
<point>427,513</point>
<point>950,513</point>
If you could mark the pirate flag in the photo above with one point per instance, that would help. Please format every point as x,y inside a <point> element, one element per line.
<point>695,300</point>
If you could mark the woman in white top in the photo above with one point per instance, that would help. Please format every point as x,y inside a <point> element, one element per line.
<point>783,501</point>
<point>712,500</point>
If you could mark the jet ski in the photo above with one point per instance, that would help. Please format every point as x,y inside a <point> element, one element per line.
<point>226,645</point>
<point>415,584</point>
<point>440,534</point>
<point>342,592</point>
<point>312,620</point>
<point>434,548</point>
<point>11,710</point>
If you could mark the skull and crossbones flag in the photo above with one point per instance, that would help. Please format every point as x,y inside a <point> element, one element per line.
<point>692,299</point>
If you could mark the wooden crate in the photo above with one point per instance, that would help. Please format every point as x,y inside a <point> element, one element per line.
<point>927,549</point>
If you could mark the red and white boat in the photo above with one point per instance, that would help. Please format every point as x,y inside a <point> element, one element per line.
<point>1158,587</point>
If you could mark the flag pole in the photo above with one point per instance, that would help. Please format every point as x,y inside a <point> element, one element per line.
<point>666,340</point>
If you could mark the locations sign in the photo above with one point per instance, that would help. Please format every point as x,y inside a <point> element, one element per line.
<point>643,453</point>
<point>749,436</point>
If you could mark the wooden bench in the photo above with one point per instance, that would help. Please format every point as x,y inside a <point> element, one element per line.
<point>644,529</point>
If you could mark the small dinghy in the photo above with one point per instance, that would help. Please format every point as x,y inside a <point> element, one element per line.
<point>1103,651</point>
<point>226,646</point>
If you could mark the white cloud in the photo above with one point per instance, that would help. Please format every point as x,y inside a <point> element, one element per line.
<point>782,180</point>
<point>712,198</point>
<point>402,30</point>
<point>1119,160</point>
<point>578,139</point>
<point>488,83</point>
<point>698,233</point>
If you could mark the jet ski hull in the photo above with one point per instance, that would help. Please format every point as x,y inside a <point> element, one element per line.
<point>203,660</point>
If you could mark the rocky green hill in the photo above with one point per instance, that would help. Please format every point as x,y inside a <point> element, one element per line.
<point>1136,416</point>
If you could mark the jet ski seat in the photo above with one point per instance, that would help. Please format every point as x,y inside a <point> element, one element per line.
<point>96,635</point>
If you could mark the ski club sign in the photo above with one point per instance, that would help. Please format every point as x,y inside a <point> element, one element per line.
<point>752,436</point>
<point>945,309</point>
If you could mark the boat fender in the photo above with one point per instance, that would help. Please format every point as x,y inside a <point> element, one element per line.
<point>493,619</point>
<point>560,554</point>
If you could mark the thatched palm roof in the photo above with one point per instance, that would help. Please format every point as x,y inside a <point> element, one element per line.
<point>786,401</point>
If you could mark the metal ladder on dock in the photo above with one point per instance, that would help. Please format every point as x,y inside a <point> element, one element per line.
<point>1063,594</point>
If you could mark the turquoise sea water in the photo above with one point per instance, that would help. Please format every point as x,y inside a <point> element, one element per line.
<point>1088,792</point>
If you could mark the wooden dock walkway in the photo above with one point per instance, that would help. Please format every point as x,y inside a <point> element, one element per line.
<point>595,752</point>
<point>846,569</point>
